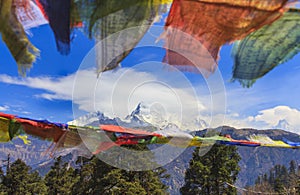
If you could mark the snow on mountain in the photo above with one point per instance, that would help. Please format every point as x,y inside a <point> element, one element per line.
<point>94,119</point>
<point>145,115</point>
<point>157,117</point>
<point>173,131</point>
<point>86,119</point>
<point>195,124</point>
<point>142,116</point>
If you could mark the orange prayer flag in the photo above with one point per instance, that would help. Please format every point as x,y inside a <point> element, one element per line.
<point>41,130</point>
<point>213,23</point>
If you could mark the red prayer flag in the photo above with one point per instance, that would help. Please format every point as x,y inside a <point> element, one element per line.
<point>42,130</point>
<point>8,116</point>
<point>196,29</point>
<point>118,129</point>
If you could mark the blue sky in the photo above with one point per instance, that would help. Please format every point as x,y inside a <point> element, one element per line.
<point>47,91</point>
<point>21,100</point>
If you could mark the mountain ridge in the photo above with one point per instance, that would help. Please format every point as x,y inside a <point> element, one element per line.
<point>142,116</point>
<point>254,162</point>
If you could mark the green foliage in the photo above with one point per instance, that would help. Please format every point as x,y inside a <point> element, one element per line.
<point>266,48</point>
<point>209,174</point>
<point>280,180</point>
<point>298,187</point>
<point>293,168</point>
<point>101,178</point>
<point>93,177</point>
<point>3,188</point>
<point>61,179</point>
<point>19,180</point>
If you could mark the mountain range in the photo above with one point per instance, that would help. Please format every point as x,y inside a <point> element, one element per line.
<point>142,116</point>
<point>254,161</point>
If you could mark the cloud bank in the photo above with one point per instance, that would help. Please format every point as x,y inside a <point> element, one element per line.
<point>118,93</point>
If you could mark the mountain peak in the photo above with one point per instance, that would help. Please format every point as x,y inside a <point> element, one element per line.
<point>136,118</point>
<point>153,114</point>
<point>138,109</point>
<point>143,115</point>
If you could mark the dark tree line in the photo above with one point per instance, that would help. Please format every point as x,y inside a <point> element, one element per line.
<point>279,179</point>
<point>93,177</point>
<point>20,180</point>
<point>211,173</point>
<point>208,174</point>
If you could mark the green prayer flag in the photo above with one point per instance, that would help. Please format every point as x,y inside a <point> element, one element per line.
<point>264,49</point>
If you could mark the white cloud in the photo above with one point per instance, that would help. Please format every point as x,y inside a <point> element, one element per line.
<point>60,87</point>
<point>230,119</point>
<point>273,118</point>
<point>4,108</point>
<point>279,117</point>
<point>117,93</point>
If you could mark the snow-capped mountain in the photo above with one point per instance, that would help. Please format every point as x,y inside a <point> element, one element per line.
<point>86,119</point>
<point>156,116</point>
<point>143,115</point>
<point>94,119</point>
<point>196,124</point>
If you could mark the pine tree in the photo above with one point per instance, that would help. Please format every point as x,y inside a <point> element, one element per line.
<point>265,178</point>
<point>292,168</point>
<point>84,174</point>
<point>101,178</point>
<point>19,180</point>
<point>3,188</point>
<point>280,180</point>
<point>3,180</point>
<point>258,181</point>
<point>61,179</point>
<point>211,173</point>
<point>91,176</point>
<point>297,188</point>
<point>292,176</point>
<point>148,180</point>
<point>278,186</point>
